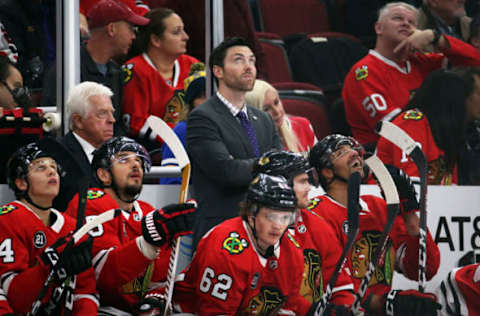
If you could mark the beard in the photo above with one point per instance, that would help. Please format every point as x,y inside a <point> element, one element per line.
<point>132,190</point>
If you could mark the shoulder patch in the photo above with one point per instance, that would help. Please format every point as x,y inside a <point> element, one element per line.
<point>361,73</point>
<point>413,115</point>
<point>93,194</point>
<point>313,203</point>
<point>5,209</point>
<point>233,244</point>
<point>127,72</point>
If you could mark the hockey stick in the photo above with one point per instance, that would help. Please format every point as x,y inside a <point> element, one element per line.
<point>171,139</point>
<point>353,227</point>
<point>97,221</point>
<point>393,205</point>
<point>401,139</point>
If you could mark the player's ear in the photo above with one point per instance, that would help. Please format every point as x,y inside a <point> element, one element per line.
<point>21,184</point>
<point>327,173</point>
<point>104,176</point>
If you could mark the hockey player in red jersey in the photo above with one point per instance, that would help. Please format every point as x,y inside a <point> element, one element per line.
<point>321,248</point>
<point>132,251</point>
<point>336,157</point>
<point>35,242</point>
<point>248,265</point>
<point>379,85</point>
<point>459,292</point>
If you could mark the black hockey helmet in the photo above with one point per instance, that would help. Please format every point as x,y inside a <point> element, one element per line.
<point>17,165</point>
<point>102,157</point>
<point>282,163</point>
<point>320,154</point>
<point>272,192</point>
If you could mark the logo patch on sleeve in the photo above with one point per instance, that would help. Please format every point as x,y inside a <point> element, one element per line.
<point>413,115</point>
<point>94,194</point>
<point>361,73</point>
<point>233,244</point>
<point>128,72</point>
<point>5,209</point>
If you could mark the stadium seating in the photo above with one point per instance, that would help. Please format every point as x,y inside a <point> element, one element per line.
<point>276,65</point>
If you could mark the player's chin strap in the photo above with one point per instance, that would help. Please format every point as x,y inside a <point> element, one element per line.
<point>29,200</point>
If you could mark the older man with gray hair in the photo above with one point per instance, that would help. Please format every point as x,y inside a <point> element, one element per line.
<point>90,115</point>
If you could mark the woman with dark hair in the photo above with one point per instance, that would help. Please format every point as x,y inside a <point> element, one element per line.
<point>154,78</point>
<point>436,117</point>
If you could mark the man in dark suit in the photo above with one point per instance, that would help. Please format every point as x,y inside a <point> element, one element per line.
<point>225,136</point>
<point>91,118</point>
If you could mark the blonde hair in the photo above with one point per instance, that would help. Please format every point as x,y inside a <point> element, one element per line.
<point>386,9</point>
<point>256,98</point>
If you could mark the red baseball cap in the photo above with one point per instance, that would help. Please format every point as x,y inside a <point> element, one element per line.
<point>108,11</point>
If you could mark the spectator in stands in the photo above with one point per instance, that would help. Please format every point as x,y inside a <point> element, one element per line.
<point>296,132</point>
<point>225,136</point>
<point>378,86</point>
<point>437,117</point>
<point>154,78</point>
<point>132,251</point>
<point>90,116</point>
<point>445,16</point>
<point>111,25</point>
<point>10,79</point>
<point>36,243</point>
<point>194,86</point>
<point>137,6</point>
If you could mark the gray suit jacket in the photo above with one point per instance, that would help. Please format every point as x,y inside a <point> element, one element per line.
<point>222,159</point>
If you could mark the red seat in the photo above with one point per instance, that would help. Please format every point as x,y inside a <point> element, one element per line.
<point>309,103</point>
<point>286,17</point>
<point>275,63</point>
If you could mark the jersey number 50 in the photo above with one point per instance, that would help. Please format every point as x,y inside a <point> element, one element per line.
<point>222,285</point>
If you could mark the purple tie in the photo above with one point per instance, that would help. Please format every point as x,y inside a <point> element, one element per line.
<point>247,126</point>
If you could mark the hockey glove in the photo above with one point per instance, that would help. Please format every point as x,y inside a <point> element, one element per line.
<point>411,303</point>
<point>164,225</point>
<point>67,259</point>
<point>405,188</point>
<point>151,305</point>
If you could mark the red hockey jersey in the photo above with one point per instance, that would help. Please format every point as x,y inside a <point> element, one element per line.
<point>304,132</point>
<point>147,93</point>
<point>321,251</point>
<point>402,251</point>
<point>415,123</point>
<point>377,88</point>
<point>227,276</point>
<point>119,264</point>
<point>459,293</point>
<point>23,238</point>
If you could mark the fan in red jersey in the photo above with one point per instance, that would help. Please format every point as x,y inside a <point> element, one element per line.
<point>35,242</point>
<point>132,251</point>
<point>336,157</point>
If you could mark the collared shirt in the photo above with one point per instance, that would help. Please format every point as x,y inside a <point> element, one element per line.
<point>86,146</point>
<point>233,109</point>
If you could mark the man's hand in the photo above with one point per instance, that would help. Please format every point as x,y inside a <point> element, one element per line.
<point>417,41</point>
<point>405,188</point>
<point>166,224</point>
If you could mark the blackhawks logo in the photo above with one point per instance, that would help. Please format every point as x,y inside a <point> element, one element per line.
<point>413,115</point>
<point>94,194</point>
<point>127,72</point>
<point>233,244</point>
<point>361,73</point>
<point>7,209</point>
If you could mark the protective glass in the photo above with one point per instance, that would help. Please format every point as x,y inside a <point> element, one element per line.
<point>42,164</point>
<point>127,158</point>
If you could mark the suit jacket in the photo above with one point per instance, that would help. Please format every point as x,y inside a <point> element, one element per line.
<point>222,159</point>
<point>74,162</point>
